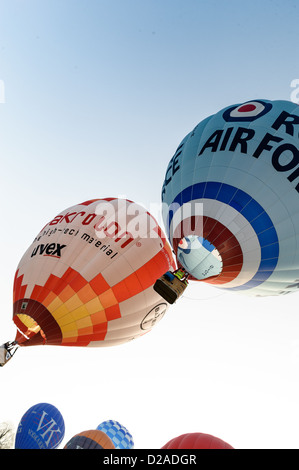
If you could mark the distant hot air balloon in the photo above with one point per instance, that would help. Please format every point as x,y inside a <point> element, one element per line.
<point>91,439</point>
<point>87,278</point>
<point>119,435</point>
<point>231,199</point>
<point>41,427</point>
<point>196,440</point>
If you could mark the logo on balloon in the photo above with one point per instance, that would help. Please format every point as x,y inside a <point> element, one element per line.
<point>153,316</point>
<point>49,249</point>
<point>41,427</point>
<point>248,111</point>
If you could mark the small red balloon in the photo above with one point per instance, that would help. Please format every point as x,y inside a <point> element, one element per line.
<point>196,440</point>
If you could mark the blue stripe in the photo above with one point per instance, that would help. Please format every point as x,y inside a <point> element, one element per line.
<point>251,210</point>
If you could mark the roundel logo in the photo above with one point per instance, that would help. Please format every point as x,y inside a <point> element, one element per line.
<point>248,111</point>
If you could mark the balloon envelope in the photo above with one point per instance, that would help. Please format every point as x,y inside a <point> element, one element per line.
<point>91,439</point>
<point>196,440</point>
<point>119,435</point>
<point>231,199</point>
<point>87,278</point>
<point>41,427</point>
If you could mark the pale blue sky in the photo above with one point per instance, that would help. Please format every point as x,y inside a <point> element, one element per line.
<point>98,94</point>
<point>91,81</point>
<point>98,89</point>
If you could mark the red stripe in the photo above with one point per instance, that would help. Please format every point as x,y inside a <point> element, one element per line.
<point>18,289</point>
<point>222,239</point>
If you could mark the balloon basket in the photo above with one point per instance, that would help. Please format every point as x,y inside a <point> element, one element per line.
<point>7,350</point>
<point>170,287</point>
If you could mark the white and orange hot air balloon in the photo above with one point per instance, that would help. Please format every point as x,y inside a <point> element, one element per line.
<point>87,279</point>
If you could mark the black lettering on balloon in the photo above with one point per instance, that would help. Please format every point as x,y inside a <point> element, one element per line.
<point>212,142</point>
<point>291,164</point>
<point>288,120</point>
<point>241,138</point>
<point>263,145</point>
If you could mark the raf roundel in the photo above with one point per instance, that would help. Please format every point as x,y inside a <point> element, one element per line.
<point>248,111</point>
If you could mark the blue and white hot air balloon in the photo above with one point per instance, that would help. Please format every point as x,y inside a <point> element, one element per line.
<point>41,427</point>
<point>118,434</point>
<point>230,199</point>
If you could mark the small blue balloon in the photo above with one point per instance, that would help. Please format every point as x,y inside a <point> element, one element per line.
<point>119,435</point>
<point>41,427</point>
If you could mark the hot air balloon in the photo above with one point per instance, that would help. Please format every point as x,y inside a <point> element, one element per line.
<point>41,427</point>
<point>119,435</point>
<point>91,439</point>
<point>196,440</point>
<point>230,199</point>
<point>87,278</point>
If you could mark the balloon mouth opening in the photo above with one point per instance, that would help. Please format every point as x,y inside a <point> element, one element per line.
<point>199,257</point>
<point>27,328</point>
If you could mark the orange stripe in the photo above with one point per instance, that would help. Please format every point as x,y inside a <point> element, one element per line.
<point>39,293</point>
<point>78,282</point>
<point>141,279</point>
<point>66,293</point>
<point>19,290</point>
<point>99,285</point>
<point>129,287</point>
<point>85,331</point>
<point>100,331</point>
<point>86,293</point>
<point>86,339</point>
<point>50,297</point>
<point>112,313</point>
<point>98,318</point>
<point>73,279</point>
<point>107,299</point>
<point>52,282</point>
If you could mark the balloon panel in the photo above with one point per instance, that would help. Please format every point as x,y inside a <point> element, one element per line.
<point>199,257</point>
<point>196,441</point>
<point>87,278</point>
<point>119,435</point>
<point>234,181</point>
<point>41,427</point>
<point>91,439</point>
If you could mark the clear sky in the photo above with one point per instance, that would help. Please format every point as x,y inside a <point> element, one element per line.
<point>95,97</point>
